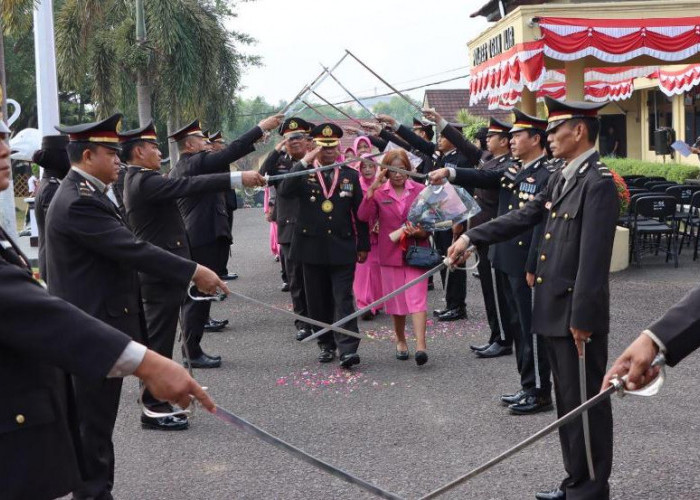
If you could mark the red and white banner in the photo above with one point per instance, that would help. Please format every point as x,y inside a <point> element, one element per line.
<point>521,66</point>
<point>619,40</point>
<point>678,81</point>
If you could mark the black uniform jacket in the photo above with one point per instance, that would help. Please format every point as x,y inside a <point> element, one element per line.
<point>427,163</point>
<point>42,338</point>
<point>516,187</point>
<point>118,189</point>
<point>47,189</point>
<point>679,328</point>
<point>94,256</point>
<point>465,154</point>
<point>487,198</point>
<point>205,215</point>
<point>286,208</point>
<point>150,201</point>
<point>571,287</point>
<point>327,239</point>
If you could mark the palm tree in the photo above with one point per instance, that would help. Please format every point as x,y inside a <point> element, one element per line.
<point>189,58</point>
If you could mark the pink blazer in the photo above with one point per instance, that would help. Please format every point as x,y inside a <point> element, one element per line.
<point>391,212</point>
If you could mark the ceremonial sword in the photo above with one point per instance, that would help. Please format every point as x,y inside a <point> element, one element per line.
<point>358,122</point>
<point>232,419</point>
<point>409,173</point>
<point>446,263</point>
<point>308,171</point>
<point>584,416</point>
<point>617,385</point>
<point>313,86</point>
<point>330,73</point>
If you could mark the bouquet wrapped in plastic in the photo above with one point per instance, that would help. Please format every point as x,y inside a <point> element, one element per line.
<point>439,207</point>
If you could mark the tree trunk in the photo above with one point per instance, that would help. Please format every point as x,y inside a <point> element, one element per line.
<point>7,197</point>
<point>173,125</point>
<point>143,98</point>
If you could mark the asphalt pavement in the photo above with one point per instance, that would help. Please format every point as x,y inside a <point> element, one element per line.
<point>405,428</point>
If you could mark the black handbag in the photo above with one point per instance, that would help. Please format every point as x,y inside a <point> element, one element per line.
<point>422,257</point>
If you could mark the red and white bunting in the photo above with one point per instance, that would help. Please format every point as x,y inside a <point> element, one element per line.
<point>619,40</point>
<point>679,81</point>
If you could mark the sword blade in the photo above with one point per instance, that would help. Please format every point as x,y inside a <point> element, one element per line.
<point>584,416</point>
<point>299,317</point>
<point>330,73</point>
<point>377,302</point>
<point>358,122</point>
<point>309,171</point>
<point>573,414</point>
<point>245,426</point>
<point>312,87</point>
<point>391,168</point>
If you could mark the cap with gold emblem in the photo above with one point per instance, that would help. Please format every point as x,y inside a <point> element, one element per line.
<point>497,127</point>
<point>190,129</point>
<point>425,127</point>
<point>527,122</point>
<point>103,133</point>
<point>294,125</point>
<point>217,137</point>
<point>146,133</point>
<point>327,135</point>
<point>561,111</point>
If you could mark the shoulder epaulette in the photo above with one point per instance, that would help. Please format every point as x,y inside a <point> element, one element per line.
<point>603,170</point>
<point>54,180</point>
<point>85,189</point>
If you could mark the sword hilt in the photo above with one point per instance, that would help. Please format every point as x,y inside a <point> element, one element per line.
<point>651,389</point>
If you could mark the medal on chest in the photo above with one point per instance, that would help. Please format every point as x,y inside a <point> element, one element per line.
<point>327,204</point>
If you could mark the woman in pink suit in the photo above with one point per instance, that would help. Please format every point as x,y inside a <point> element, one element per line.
<point>389,203</point>
<point>368,281</point>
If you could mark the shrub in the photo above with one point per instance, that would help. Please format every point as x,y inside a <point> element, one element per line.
<point>670,171</point>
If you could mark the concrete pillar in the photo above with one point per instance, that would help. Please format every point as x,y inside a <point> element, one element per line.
<point>528,102</point>
<point>575,79</point>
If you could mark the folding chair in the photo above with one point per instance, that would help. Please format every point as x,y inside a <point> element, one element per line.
<point>639,182</point>
<point>654,218</point>
<point>661,187</point>
<point>692,222</point>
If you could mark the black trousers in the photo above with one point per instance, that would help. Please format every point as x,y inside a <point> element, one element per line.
<point>563,358</point>
<point>97,402</point>
<point>295,274</point>
<point>222,261</point>
<point>195,314</point>
<point>161,307</point>
<point>489,294</point>
<point>456,293</point>
<point>516,317</point>
<point>329,298</point>
<point>283,264</point>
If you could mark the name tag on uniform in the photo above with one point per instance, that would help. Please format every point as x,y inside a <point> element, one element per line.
<point>388,201</point>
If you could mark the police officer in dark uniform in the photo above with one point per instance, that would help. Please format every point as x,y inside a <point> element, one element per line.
<point>328,240</point>
<point>93,259</point>
<point>458,154</point>
<point>294,130</point>
<point>519,183</point>
<point>496,137</point>
<point>41,338</point>
<point>53,158</point>
<point>381,136</point>
<point>153,216</point>
<point>206,218</point>
<point>572,298</point>
<point>217,144</point>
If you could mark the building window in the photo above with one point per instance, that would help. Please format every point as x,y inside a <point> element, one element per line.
<point>692,115</point>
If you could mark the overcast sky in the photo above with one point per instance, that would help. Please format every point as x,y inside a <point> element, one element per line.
<point>408,42</point>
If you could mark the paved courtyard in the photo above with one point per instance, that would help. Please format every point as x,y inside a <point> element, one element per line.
<point>404,428</point>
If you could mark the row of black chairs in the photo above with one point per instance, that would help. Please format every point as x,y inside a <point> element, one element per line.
<point>662,212</point>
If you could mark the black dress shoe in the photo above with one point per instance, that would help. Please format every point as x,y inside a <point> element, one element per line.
<point>222,322</point>
<point>438,312</point>
<point>213,326</point>
<point>476,275</point>
<point>478,348</point>
<point>555,494</point>
<point>510,399</point>
<point>421,358</point>
<point>284,287</point>
<point>169,423</point>
<point>531,404</point>
<point>303,333</point>
<point>495,350</point>
<point>215,356</point>
<point>349,360</point>
<point>326,356</point>
<point>453,314</point>
<point>203,361</point>
<point>229,276</point>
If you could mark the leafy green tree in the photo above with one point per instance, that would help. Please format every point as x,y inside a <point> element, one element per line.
<point>472,123</point>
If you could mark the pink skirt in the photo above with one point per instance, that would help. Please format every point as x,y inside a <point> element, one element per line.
<point>274,246</point>
<point>413,300</point>
<point>367,285</point>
